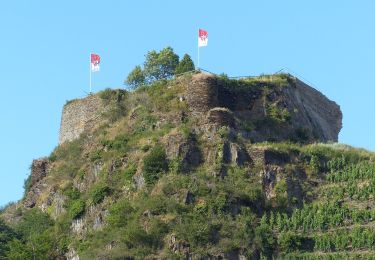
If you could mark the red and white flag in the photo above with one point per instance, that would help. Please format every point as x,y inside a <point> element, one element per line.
<point>202,38</point>
<point>95,61</point>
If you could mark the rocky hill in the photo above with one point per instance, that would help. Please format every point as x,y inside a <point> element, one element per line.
<point>200,166</point>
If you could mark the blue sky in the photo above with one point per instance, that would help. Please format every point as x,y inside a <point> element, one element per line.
<point>45,46</point>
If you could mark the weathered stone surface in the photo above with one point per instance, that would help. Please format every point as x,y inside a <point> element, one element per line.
<point>72,254</point>
<point>312,116</point>
<point>179,246</point>
<point>79,226</point>
<point>316,111</point>
<point>221,116</point>
<point>80,115</point>
<point>202,93</point>
<point>39,170</point>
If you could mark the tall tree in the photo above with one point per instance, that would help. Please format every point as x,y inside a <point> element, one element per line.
<point>185,65</point>
<point>135,78</point>
<point>160,65</point>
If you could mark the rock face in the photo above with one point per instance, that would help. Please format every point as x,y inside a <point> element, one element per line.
<point>80,115</point>
<point>39,169</point>
<point>277,109</point>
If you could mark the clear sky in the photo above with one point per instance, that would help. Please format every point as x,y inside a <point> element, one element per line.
<point>45,46</point>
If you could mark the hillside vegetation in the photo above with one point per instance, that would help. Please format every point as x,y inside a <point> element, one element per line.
<point>155,180</point>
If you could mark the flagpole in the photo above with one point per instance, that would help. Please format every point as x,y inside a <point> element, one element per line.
<point>198,49</point>
<point>198,56</point>
<point>90,72</point>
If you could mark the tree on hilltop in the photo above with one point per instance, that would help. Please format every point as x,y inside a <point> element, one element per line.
<point>135,78</point>
<point>185,65</point>
<point>160,65</point>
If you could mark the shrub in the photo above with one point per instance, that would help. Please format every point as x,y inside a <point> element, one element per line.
<point>314,164</point>
<point>98,193</point>
<point>116,101</point>
<point>154,164</point>
<point>129,172</point>
<point>119,213</point>
<point>95,155</point>
<point>289,241</point>
<point>278,114</point>
<point>72,193</point>
<point>6,235</point>
<point>76,208</point>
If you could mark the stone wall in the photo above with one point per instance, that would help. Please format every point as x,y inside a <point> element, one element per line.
<point>80,115</point>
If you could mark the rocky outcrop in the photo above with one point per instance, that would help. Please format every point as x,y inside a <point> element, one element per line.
<point>283,108</point>
<point>39,169</point>
<point>72,254</point>
<point>314,111</point>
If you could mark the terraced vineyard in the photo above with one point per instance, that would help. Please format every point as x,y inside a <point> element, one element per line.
<point>339,223</point>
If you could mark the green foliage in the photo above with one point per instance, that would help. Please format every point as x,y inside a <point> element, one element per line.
<point>281,194</point>
<point>95,155</point>
<point>154,164</point>
<point>129,172</point>
<point>264,239</point>
<point>76,208</point>
<point>185,65</point>
<point>99,192</point>
<point>289,242</point>
<point>27,185</point>
<point>120,213</point>
<point>72,193</point>
<point>135,78</point>
<point>223,132</point>
<point>115,99</point>
<point>160,65</point>
<point>38,240</point>
<point>315,164</point>
<point>6,236</point>
<point>278,114</point>
<point>119,143</point>
<point>33,222</point>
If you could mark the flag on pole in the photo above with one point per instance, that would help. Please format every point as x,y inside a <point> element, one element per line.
<point>202,38</point>
<point>95,61</point>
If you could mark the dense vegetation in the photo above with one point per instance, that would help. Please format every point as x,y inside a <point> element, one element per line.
<point>118,193</point>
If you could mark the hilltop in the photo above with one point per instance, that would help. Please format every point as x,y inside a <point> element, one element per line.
<point>198,166</point>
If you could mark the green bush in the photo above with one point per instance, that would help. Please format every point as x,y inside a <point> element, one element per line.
<point>278,114</point>
<point>72,193</point>
<point>154,164</point>
<point>76,208</point>
<point>6,235</point>
<point>95,156</point>
<point>116,101</point>
<point>99,192</point>
<point>120,213</point>
<point>289,241</point>
<point>119,143</point>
